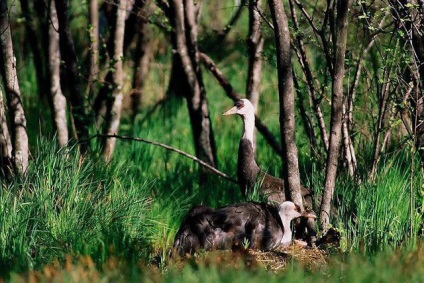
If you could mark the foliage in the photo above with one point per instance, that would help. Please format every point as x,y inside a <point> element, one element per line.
<point>71,205</point>
<point>375,215</point>
<point>83,219</point>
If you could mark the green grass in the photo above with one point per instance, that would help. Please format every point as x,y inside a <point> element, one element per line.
<point>130,210</point>
<point>125,215</point>
<point>68,205</point>
<point>374,215</point>
<point>402,265</point>
<point>82,220</point>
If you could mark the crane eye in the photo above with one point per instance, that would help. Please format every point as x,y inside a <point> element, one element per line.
<point>239,104</point>
<point>297,208</point>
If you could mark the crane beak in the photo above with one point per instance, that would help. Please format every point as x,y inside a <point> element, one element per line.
<point>231,111</point>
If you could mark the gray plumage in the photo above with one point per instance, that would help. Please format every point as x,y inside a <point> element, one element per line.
<point>253,225</point>
<point>249,174</point>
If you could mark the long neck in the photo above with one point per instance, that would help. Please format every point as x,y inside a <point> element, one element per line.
<point>287,233</point>
<point>249,127</point>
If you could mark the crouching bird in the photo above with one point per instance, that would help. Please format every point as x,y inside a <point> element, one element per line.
<point>250,225</point>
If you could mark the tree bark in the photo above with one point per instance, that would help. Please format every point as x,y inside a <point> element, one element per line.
<point>75,96</point>
<point>255,44</point>
<point>418,45</point>
<point>347,145</point>
<point>114,103</point>
<point>304,62</point>
<point>20,150</point>
<point>132,24</point>
<point>141,59</point>
<point>94,46</point>
<point>286,95</point>
<point>58,99</point>
<point>5,142</point>
<point>336,112</point>
<point>190,85</point>
<point>34,43</point>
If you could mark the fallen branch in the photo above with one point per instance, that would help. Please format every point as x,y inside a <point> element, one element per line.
<point>231,93</point>
<point>194,158</point>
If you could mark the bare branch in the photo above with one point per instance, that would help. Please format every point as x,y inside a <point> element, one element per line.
<point>192,157</point>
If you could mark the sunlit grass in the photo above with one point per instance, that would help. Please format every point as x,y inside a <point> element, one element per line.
<point>78,219</point>
<point>402,265</point>
<point>70,205</point>
<point>375,214</point>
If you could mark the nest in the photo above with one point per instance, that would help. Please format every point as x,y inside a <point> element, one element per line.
<point>276,261</point>
<point>310,258</point>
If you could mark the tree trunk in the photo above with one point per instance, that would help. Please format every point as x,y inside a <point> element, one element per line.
<point>286,95</point>
<point>76,97</point>
<point>136,18</point>
<point>131,26</point>
<point>418,44</point>
<point>34,43</point>
<point>350,158</point>
<point>5,142</point>
<point>114,103</point>
<point>255,44</point>
<point>58,99</point>
<point>336,112</point>
<point>141,59</point>
<point>178,83</point>
<point>306,68</point>
<point>94,46</point>
<point>186,63</point>
<point>20,151</point>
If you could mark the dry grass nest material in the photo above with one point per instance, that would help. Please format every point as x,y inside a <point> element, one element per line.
<point>277,260</point>
<point>311,258</point>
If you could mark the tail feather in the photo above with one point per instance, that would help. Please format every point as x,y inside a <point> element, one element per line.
<point>188,237</point>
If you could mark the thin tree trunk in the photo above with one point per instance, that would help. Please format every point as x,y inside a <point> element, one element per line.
<point>306,120</point>
<point>131,27</point>
<point>384,105</point>
<point>336,112</point>
<point>94,46</point>
<point>255,44</point>
<point>178,83</point>
<point>58,99</point>
<point>347,145</point>
<point>76,97</point>
<point>286,95</point>
<point>304,62</point>
<point>136,18</point>
<point>113,115</point>
<point>141,58</point>
<point>186,59</point>
<point>5,142</point>
<point>20,150</point>
<point>418,45</point>
<point>34,43</point>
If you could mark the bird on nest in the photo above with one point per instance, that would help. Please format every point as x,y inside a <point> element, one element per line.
<point>246,225</point>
